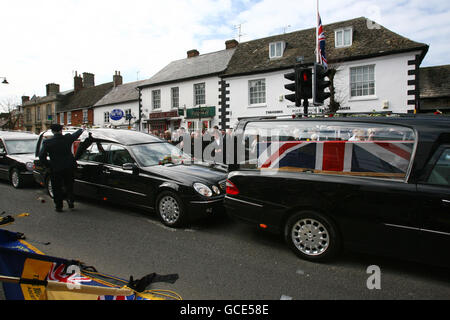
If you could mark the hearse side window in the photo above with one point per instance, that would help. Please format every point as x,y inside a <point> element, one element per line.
<point>118,156</point>
<point>441,171</point>
<point>329,147</point>
<point>95,153</point>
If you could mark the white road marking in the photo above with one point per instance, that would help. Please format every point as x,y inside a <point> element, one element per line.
<point>161,225</point>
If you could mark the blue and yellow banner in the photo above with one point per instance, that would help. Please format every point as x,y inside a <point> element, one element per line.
<point>29,274</point>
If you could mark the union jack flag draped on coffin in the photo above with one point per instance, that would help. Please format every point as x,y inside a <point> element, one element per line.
<point>385,157</point>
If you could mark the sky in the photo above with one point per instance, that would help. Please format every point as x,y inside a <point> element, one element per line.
<point>46,41</point>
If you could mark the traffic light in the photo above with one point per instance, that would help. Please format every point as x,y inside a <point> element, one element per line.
<point>301,86</point>
<point>294,97</point>
<point>306,83</point>
<point>320,84</point>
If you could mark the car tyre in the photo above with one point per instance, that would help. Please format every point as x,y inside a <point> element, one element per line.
<point>312,236</point>
<point>16,180</point>
<point>170,209</point>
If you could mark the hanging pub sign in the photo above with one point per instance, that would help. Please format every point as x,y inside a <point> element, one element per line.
<point>116,114</point>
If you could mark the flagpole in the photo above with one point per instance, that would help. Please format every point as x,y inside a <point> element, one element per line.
<point>317,32</point>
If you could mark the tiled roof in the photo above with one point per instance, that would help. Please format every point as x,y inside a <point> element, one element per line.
<point>253,56</point>
<point>123,93</point>
<point>202,65</point>
<point>85,98</point>
<point>435,82</point>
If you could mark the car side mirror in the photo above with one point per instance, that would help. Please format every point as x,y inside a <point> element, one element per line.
<point>129,166</point>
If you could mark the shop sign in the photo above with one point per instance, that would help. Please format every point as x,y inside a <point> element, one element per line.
<point>196,113</point>
<point>164,115</point>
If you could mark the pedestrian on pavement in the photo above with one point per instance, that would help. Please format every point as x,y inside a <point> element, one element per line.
<point>62,164</point>
<point>168,136</point>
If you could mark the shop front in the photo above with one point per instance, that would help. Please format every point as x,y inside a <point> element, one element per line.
<point>162,121</point>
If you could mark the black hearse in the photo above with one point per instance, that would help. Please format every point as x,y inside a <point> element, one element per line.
<point>16,157</point>
<point>379,184</point>
<point>139,169</point>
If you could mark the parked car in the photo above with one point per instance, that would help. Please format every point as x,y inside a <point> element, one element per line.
<point>16,157</point>
<point>379,185</point>
<point>139,169</point>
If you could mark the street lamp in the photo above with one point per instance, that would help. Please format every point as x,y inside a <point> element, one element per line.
<point>4,80</point>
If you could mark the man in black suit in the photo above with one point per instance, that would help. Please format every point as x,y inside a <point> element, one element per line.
<point>62,164</point>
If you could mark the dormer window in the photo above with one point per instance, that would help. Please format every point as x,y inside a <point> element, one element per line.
<point>276,49</point>
<point>343,37</point>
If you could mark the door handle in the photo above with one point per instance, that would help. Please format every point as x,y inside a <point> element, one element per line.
<point>106,171</point>
<point>446,202</point>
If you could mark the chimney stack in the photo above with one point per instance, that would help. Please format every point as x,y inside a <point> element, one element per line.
<point>25,99</point>
<point>117,79</point>
<point>77,82</point>
<point>192,53</point>
<point>52,88</point>
<point>230,44</point>
<point>88,80</point>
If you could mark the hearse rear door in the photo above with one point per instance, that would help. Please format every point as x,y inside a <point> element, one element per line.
<point>434,208</point>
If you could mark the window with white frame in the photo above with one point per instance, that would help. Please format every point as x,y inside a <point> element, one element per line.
<point>156,99</point>
<point>276,49</point>
<point>343,37</point>
<point>85,116</point>
<point>175,97</point>
<point>257,91</point>
<point>199,93</point>
<point>69,117</point>
<point>362,81</point>
<point>106,117</point>
<point>38,113</point>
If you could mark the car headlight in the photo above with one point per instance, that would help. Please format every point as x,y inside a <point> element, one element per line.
<point>30,166</point>
<point>202,189</point>
<point>216,189</point>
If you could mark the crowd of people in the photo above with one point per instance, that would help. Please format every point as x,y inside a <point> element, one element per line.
<point>209,144</point>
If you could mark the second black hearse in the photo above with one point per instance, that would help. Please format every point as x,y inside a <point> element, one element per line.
<point>379,184</point>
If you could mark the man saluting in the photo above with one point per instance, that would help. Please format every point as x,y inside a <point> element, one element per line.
<point>62,164</point>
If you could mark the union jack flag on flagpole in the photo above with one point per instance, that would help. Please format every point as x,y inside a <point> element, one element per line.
<point>322,58</point>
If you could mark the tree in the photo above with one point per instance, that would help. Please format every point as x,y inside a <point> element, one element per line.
<point>10,113</point>
<point>337,90</point>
